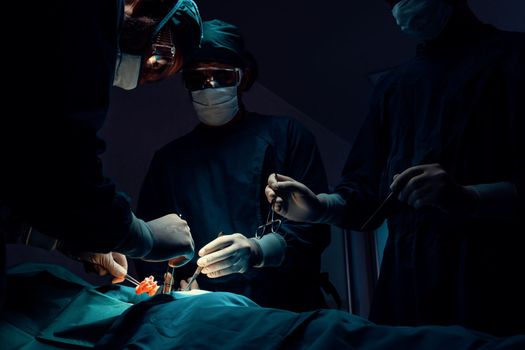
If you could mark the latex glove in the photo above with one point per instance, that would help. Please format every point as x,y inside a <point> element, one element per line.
<point>172,240</point>
<point>112,263</point>
<point>292,199</point>
<point>166,238</point>
<point>227,254</point>
<point>184,284</point>
<point>430,185</point>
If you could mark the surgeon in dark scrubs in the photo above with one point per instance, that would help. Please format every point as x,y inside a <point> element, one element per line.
<point>215,178</point>
<point>52,185</point>
<point>444,133</point>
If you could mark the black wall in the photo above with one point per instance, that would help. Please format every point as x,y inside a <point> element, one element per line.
<point>317,54</point>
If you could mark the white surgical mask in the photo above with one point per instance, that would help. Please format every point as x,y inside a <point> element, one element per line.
<point>215,106</point>
<point>423,19</point>
<point>127,71</point>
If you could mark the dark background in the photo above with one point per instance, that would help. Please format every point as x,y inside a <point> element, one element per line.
<point>314,57</point>
<point>317,54</point>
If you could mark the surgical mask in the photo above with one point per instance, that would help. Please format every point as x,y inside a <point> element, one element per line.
<point>127,71</point>
<point>215,106</point>
<point>423,19</point>
<point>132,70</point>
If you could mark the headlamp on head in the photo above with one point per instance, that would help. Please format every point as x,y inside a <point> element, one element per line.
<point>177,33</point>
<point>162,60</point>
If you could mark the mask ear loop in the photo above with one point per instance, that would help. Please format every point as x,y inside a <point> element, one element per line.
<point>239,72</point>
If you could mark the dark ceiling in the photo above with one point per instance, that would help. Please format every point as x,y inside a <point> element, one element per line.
<point>317,54</point>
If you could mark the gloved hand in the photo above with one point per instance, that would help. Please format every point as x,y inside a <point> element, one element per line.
<point>165,238</point>
<point>430,185</point>
<point>292,199</point>
<point>113,263</point>
<point>227,254</point>
<point>184,284</point>
<point>172,239</point>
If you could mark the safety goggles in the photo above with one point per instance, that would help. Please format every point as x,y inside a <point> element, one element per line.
<point>210,77</point>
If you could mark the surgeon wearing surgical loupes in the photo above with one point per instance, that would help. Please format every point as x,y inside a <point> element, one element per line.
<point>442,139</point>
<point>54,193</point>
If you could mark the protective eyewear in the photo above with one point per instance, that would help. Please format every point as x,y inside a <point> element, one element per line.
<point>271,226</point>
<point>211,77</point>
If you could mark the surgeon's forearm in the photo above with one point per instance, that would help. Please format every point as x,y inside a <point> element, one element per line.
<point>497,200</point>
<point>270,250</point>
<point>334,207</point>
<point>34,238</point>
<point>139,241</point>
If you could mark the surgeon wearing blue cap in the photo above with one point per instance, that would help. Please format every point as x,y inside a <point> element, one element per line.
<point>215,177</point>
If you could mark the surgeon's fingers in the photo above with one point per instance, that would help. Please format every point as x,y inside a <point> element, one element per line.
<point>273,199</point>
<point>401,180</point>
<point>286,187</point>
<point>412,185</point>
<point>118,269</point>
<point>167,278</point>
<point>270,194</point>
<point>278,206</point>
<point>217,256</point>
<point>184,284</point>
<point>194,284</point>
<point>421,197</point>
<point>100,270</point>
<point>280,178</point>
<point>119,260</point>
<point>224,272</point>
<point>220,265</point>
<point>217,244</point>
<point>274,178</point>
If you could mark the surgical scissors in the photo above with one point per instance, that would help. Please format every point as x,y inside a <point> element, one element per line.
<point>273,224</point>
